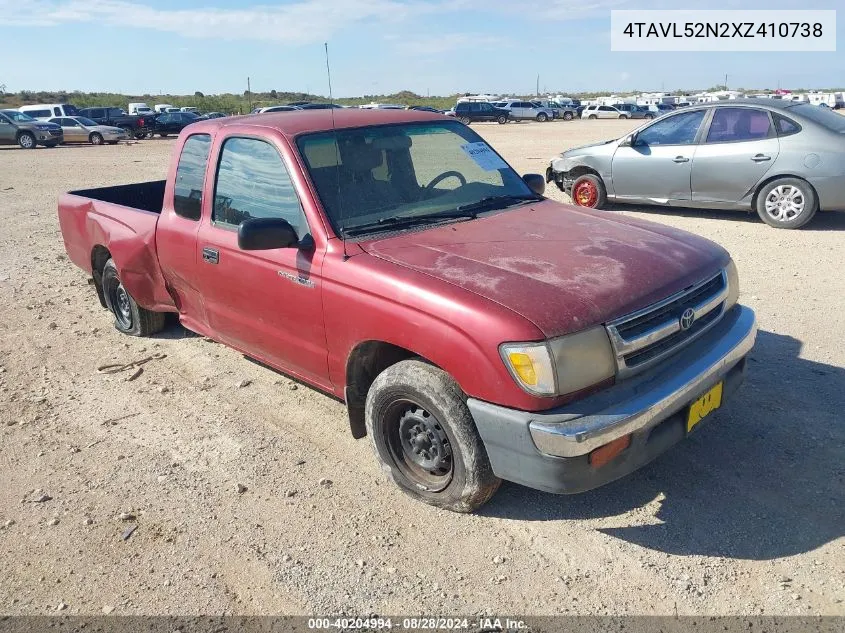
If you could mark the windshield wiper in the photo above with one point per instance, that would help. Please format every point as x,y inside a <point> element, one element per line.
<point>498,202</point>
<point>400,221</point>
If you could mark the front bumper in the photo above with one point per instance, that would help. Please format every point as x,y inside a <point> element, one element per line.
<point>549,450</point>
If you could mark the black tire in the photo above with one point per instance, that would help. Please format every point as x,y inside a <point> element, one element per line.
<point>648,116</point>
<point>592,116</point>
<point>598,197</point>
<point>792,192</point>
<point>501,119</point>
<point>138,135</point>
<point>623,116</point>
<point>129,317</point>
<point>27,140</point>
<point>96,138</point>
<point>542,117</point>
<point>465,120</point>
<point>162,134</point>
<point>567,116</point>
<point>413,395</point>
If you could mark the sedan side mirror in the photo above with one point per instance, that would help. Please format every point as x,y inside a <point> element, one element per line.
<point>536,183</point>
<point>628,141</point>
<point>262,234</point>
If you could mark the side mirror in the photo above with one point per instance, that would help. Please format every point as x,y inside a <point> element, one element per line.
<point>536,183</point>
<point>262,234</point>
<point>628,141</point>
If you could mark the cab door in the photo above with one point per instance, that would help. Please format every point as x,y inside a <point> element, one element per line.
<point>656,166</point>
<point>739,149</point>
<point>266,303</point>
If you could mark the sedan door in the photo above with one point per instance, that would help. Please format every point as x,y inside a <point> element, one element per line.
<point>657,164</point>
<point>740,147</point>
<point>73,131</point>
<point>607,112</point>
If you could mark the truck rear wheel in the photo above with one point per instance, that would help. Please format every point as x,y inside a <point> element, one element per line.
<point>425,439</point>
<point>129,317</point>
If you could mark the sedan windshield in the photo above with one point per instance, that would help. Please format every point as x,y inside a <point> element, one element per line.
<point>391,176</point>
<point>18,117</point>
<point>823,116</point>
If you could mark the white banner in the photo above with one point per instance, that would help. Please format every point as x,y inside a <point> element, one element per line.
<point>723,31</point>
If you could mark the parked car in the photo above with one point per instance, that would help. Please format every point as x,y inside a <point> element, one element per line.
<point>634,111</point>
<point>422,108</point>
<point>79,129</point>
<point>18,128</point>
<point>527,111</point>
<point>560,111</point>
<point>163,108</point>
<point>215,115</point>
<point>468,344</point>
<point>173,122</point>
<point>46,111</point>
<point>783,159</point>
<point>319,106</point>
<point>276,108</point>
<point>134,125</point>
<point>478,111</point>
<point>141,109</point>
<point>603,112</point>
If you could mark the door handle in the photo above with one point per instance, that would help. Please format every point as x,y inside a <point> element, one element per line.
<point>210,255</point>
<point>759,158</point>
<point>680,159</point>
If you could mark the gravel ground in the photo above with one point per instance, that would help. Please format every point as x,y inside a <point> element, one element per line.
<point>248,496</point>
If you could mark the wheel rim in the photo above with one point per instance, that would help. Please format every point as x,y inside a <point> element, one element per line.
<point>27,141</point>
<point>96,139</point>
<point>465,120</point>
<point>785,203</point>
<point>419,446</point>
<point>585,194</point>
<point>119,302</point>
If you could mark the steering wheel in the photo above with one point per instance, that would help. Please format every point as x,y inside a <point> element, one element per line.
<point>446,174</point>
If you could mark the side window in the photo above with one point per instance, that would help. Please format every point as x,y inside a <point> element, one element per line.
<point>679,129</point>
<point>785,126</point>
<point>96,113</point>
<point>486,107</point>
<point>57,112</point>
<point>739,124</point>
<point>475,107</point>
<point>190,172</point>
<point>252,182</point>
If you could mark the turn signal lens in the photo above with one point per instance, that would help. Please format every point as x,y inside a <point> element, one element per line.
<point>733,285</point>
<point>531,366</point>
<point>605,454</point>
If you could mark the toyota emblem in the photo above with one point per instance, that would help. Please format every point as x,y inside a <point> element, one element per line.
<point>687,319</point>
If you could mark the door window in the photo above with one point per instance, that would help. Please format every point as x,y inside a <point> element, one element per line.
<point>679,129</point>
<point>252,182</point>
<point>190,174</point>
<point>785,126</point>
<point>739,124</point>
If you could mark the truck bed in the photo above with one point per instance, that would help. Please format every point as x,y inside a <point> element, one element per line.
<point>119,223</point>
<point>147,196</point>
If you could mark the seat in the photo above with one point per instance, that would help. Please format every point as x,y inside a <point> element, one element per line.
<point>362,193</point>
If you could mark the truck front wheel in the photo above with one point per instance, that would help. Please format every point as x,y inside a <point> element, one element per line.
<point>129,317</point>
<point>425,439</point>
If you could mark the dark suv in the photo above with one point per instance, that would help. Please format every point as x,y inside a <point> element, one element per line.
<point>473,111</point>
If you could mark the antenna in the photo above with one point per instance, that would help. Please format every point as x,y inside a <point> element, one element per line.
<point>337,154</point>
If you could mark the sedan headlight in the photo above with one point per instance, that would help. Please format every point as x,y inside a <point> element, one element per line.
<point>562,365</point>
<point>733,285</point>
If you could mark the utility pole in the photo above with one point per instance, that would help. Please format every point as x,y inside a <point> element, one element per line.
<point>726,81</point>
<point>248,94</point>
<point>538,85</point>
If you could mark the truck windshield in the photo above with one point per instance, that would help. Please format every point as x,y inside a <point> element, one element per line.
<point>369,177</point>
<point>70,110</point>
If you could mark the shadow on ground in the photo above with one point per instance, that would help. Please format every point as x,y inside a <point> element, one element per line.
<point>823,221</point>
<point>764,479</point>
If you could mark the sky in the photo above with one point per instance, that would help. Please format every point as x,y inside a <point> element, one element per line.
<point>436,47</point>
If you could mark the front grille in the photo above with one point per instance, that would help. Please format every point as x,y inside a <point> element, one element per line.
<point>644,337</point>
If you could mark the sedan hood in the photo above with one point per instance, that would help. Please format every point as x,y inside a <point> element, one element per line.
<point>564,268</point>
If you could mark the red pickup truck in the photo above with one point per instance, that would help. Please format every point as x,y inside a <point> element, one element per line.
<point>476,330</point>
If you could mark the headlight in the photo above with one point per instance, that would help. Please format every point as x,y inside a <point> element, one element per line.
<point>43,127</point>
<point>582,359</point>
<point>733,285</point>
<point>531,366</point>
<point>562,365</point>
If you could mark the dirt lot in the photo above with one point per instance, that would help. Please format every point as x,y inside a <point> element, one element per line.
<point>746,517</point>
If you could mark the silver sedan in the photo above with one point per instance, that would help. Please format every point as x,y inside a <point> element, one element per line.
<point>784,160</point>
<point>79,129</point>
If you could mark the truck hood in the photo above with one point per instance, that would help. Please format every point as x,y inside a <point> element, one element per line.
<point>564,268</point>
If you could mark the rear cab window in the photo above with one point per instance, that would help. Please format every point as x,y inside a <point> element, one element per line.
<point>190,176</point>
